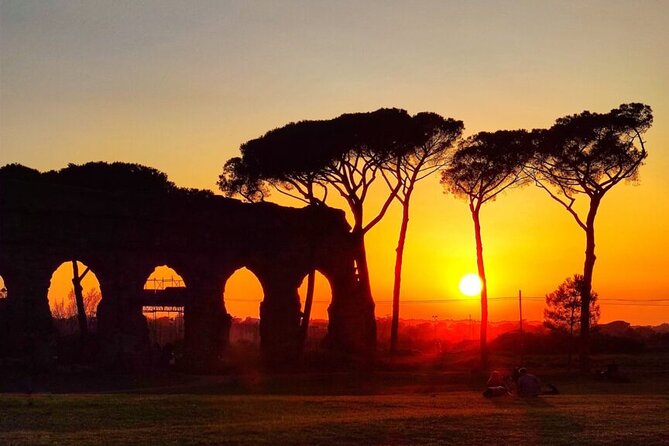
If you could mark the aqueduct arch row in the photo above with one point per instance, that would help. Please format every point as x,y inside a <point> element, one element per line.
<point>122,220</point>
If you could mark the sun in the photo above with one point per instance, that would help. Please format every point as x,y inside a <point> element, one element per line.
<point>470,285</point>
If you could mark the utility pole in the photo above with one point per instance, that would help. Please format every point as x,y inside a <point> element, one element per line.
<point>520,318</point>
<point>437,342</point>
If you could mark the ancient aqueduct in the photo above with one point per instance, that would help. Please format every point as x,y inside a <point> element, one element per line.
<point>122,223</point>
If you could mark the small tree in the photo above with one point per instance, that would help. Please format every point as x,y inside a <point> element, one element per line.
<point>484,166</point>
<point>563,309</point>
<point>586,155</point>
<point>63,308</point>
<point>68,308</point>
<point>91,300</point>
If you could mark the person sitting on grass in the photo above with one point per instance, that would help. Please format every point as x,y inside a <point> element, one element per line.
<point>528,385</point>
<point>495,386</point>
<point>495,379</point>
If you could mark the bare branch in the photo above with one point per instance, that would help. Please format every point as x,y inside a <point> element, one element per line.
<point>567,206</point>
<point>383,210</point>
<point>296,197</point>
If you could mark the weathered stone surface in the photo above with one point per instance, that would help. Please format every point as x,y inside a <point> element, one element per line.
<point>123,220</point>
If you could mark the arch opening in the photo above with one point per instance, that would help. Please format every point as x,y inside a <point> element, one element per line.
<point>4,322</point>
<point>163,301</point>
<point>163,277</point>
<point>3,288</point>
<point>73,298</point>
<point>318,319</point>
<point>242,295</point>
<point>74,288</point>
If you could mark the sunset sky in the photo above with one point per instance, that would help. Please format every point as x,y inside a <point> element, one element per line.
<point>180,85</point>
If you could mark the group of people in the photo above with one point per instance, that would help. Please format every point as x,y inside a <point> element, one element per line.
<point>520,383</point>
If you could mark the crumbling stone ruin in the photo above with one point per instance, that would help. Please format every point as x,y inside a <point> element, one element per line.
<point>122,220</point>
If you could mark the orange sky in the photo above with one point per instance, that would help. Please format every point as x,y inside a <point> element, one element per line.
<point>180,86</point>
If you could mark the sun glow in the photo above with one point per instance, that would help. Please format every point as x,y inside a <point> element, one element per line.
<point>470,285</point>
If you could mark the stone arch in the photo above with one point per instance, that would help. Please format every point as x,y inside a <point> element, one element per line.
<point>351,317</point>
<point>164,276</point>
<point>74,326</point>
<point>123,219</point>
<point>60,295</point>
<point>164,297</point>
<point>279,309</point>
<point>4,323</point>
<point>242,297</point>
<point>3,288</point>
<point>206,321</point>
<point>322,299</point>
<point>25,320</point>
<point>233,294</point>
<point>122,328</point>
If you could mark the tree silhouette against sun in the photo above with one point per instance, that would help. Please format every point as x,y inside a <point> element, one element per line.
<point>484,166</point>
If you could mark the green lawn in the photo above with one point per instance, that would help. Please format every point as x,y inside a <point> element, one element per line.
<point>460,417</point>
<point>394,404</point>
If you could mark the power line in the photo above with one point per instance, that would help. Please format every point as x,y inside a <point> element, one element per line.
<point>617,302</point>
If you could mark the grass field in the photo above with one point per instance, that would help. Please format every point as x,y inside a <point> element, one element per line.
<point>421,419</point>
<point>376,408</point>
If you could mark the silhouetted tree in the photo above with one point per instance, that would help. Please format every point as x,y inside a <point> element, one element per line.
<point>91,300</point>
<point>67,308</point>
<point>61,309</point>
<point>435,135</point>
<point>304,159</point>
<point>563,309</point>
<point>79,298</point>
<point>238,178</point>
<point>484,166</point>
<point>114,177</point>
<point>586,155</point>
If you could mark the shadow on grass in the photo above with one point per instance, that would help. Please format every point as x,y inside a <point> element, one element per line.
<point>513,401</point>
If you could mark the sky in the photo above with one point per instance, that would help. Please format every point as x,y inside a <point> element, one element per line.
<point>180,85</point>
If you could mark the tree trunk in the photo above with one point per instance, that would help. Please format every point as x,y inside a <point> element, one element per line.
<point>311,283</point>
<point>571,338</point>
<point>361,263</point>
<point>484,287</point>
<point>588,267</point>
<point>365,321</point>
<point>79,298</point>
<point>399,252</point>
<point>360,250</point>
<point>306,314</point>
